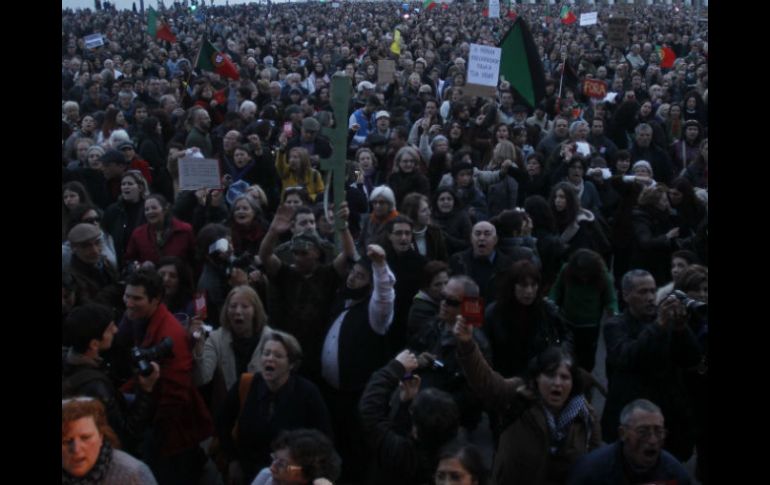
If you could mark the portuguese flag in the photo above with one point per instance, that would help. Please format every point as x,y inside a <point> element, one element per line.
<point>667,57</point>
<point>157,28</point>
<point>210,59</point>
<point>520,63</point>
<point>566,16</point>
<point>428,4</point>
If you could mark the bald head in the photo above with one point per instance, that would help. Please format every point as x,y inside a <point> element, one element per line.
<point>483,239</point>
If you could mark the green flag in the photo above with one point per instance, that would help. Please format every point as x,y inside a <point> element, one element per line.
<point>520,63</point>
<point>157,29</point>
<point>210,59</point>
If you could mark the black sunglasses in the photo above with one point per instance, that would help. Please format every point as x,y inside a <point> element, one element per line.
<point>451,301</point>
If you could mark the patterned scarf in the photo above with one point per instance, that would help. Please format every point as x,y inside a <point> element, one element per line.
<point>97,473</point>
<point>575,408</point>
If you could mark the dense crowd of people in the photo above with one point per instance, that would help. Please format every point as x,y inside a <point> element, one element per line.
<point>255,330</point>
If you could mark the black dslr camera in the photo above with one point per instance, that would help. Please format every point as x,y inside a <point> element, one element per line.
<point>696,307</point>
<point>245,262</point>
<point>142,357</point>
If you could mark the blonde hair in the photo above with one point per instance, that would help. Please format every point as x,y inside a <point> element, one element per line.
<point>260,316</point>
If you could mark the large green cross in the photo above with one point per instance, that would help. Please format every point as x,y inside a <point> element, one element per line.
<point>340,98</point>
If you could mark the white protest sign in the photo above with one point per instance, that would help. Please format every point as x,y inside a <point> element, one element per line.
<point>484,65</point>
<point>199,173</point>
<point>588,19</point>
<point>494,9</point>
<point>93,41</point>
<point>335,4</point>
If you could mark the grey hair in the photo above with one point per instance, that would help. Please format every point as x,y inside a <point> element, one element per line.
<point>577,124</point>
<point>630,277</point>
<point>247,104</point>
<point>470,287</point>
<point>642,127</point>
<point>643,404</point>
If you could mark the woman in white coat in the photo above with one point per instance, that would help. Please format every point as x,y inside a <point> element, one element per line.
<point>233,347</point>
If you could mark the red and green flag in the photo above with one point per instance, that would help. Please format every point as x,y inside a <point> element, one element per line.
<point>211,59</point>
<point>428,4</point>
<point>520,64</point>
<point>566,16</point>
<point>667,56</point>
<point>511,14</point>
<point>157,28</point>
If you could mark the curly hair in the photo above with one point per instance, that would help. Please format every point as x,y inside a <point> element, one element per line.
<point>313,451</point>
<point>76,408</point>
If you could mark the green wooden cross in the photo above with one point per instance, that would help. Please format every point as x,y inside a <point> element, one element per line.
<point>340,98</point>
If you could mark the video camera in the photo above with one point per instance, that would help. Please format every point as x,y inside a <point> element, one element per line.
<point>142,357</point>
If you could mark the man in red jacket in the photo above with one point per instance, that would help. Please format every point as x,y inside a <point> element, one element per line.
<point>181,419</point>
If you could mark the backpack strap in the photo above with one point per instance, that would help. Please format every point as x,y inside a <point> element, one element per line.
<point>244,384</point>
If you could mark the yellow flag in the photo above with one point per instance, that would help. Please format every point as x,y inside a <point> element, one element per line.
<point>395,47</point>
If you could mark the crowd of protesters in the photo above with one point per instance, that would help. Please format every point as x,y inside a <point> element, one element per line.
<point>253,329</point>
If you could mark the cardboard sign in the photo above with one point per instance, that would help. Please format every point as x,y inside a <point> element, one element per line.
<point>588,19</point>
<point>595,88</point>
<point>199,173</point>
<point>479,90</point>
<point>494,9</point>
<point>484,65</point>
<point>385,70</point>
<point>617,31</point>
<point>93,41</point>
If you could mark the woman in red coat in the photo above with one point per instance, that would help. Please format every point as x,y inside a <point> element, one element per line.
<point>163,235</point>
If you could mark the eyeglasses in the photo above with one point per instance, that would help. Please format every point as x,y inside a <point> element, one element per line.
<point>92,220</point>
<point>646,432</point>
<point>379,202</point>
<point>282,465</point>
<point>451,301</point>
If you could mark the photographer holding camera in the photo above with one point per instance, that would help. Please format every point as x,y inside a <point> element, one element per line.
<point>649,348</point>
<point>89,331</point>
<point>691,287</point>
<point>181,420</point>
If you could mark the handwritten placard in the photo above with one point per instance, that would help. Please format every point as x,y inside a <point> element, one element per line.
<point>199,173</point>
<point>93,41</point>
<point>494,9</point>
<point>588,19</point>
<point>484,65</point>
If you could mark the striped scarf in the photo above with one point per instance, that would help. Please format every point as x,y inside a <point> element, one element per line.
<point>558,428</point>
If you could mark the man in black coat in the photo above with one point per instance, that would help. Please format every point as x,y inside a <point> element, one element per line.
<point>482,261</point>
<point>355,347</point>
<point>406,263</point>
<point>437,347</point>
<point>644,149</point>
<point>648,349</point>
